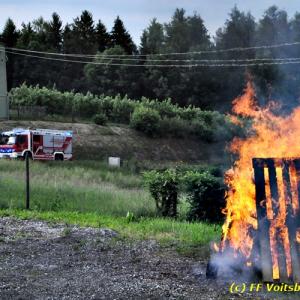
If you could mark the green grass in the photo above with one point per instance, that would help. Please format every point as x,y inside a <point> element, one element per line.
<point>88,193</point>
<point>183,234</point>
<point>75,186</point>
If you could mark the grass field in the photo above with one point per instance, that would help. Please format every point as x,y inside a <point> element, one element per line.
<point>89,193</point>
<point>74,186</point>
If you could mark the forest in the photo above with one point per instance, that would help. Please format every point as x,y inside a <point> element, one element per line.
<point>151,68</point>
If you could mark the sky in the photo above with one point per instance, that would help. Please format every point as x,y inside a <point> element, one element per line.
<point>136,14</point>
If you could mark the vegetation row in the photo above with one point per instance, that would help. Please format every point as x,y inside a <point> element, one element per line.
<point>152,117</point>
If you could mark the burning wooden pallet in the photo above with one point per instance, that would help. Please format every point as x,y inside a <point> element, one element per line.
<point>277,184</point>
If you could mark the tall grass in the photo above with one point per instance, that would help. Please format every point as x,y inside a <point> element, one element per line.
<point>74,186</point>
<point>88,193</point>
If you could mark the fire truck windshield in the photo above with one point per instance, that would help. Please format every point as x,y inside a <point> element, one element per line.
<point>11,140</point>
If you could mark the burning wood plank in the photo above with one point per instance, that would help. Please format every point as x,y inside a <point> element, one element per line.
<point>277,232</point>
<point>263,222</point>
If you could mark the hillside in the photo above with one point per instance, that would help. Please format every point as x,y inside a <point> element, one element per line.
<point>95,142</point>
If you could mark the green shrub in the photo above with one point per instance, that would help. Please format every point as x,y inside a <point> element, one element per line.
<point>105,106</point>
<point>145,115</point>
<point>205,194</point>
<point>189,113</point>
<point>122,110</point>
<point>165,108</point>
<point>100,119</point>
<point>163,187</point>
<point>200,129</point>
<point>145,120</point>
<point>175,127</point>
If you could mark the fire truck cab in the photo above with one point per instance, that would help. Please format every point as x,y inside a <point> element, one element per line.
<point>39,144</point>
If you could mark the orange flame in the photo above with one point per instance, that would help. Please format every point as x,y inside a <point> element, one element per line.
<point>270,136</point>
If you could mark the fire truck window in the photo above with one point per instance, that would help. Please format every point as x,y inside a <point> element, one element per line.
<point>21,139</point>
<point>3,140</point>
<point>11,140</point>
<point>36,138</point>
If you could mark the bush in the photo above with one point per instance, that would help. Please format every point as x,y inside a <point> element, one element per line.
<point>205,194</point>
<point>165,108</point>
<point>163,187</point>
<point>122,110</point>
<point>145,115</point>
<point>145,120</point>
<point>100,119</point>
<point>200,129</point>
<point>175,127</point>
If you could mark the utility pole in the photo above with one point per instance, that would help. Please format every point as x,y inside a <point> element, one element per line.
<point>4,112</point>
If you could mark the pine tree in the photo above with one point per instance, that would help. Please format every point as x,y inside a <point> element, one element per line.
<point>152,40</point>
<point>198,34</point>
<point>26,36</point>
<point>84,33</point>
<point>102,37</point>
<point>177,32</point>
<point>9,38</point>
<point>239,31</point>
<point>54,34</point>
<point>10,34</point>
<point>121,37</point>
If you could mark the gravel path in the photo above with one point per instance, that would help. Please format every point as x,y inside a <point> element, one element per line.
<point>39,260</point>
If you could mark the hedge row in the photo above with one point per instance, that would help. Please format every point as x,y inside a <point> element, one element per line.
<point>152,117</point>
<point>204,190</point>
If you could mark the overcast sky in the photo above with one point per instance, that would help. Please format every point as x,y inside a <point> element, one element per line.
<point>136,14</point>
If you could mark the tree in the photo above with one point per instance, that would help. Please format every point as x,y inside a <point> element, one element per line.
<point>272,29</point>
<point>84,34</point>
<point>102,37</point>
<point>238,32</point>
<point>69,43</point>
<point>198,34</point>
<point>121,37</point>
<point>295,28</point>
<point>152,40</point>
<point>111,80</point>
<point>10,34</point>
<point>185,86</point>
<point>9,38</point>
<point>26,35</point>
<point>177,32</point>
<point>80,38</point>
<point>54,33</point>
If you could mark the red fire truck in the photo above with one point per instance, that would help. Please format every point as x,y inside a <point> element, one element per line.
<point>39,144</point>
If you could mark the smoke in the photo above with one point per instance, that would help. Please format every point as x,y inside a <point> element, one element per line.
<point>228,265</point>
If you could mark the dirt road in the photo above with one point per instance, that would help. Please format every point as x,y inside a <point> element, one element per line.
<point>39,260</point>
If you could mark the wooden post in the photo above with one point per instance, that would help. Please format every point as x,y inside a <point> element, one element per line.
<point>297,216</point>
<point>275,196</point>
<point>291,222</point>
<point>263,222</point>
<point>27,182</point>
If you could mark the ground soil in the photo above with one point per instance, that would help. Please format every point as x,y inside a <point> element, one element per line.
<point>40,260</point>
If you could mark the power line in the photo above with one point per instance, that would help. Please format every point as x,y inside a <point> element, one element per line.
<point>110,59</point>
<point>284,62</point>
<point>160,54</point>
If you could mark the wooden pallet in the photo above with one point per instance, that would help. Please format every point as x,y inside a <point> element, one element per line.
<point>278,173</point>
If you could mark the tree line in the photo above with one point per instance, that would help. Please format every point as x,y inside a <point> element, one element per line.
<point>204,87</point>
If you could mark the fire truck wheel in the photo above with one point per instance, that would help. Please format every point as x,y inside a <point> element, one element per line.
<point>59,157</point>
